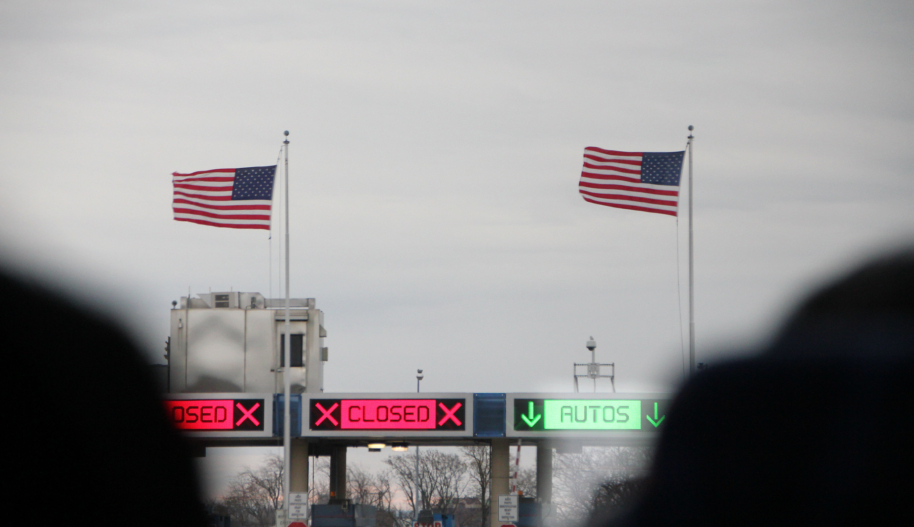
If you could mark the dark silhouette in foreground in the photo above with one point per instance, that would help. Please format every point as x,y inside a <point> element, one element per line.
<point>816,430</point>
<point>89,440</point>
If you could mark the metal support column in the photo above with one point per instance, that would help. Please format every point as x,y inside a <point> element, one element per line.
<point>298,477</point>
<point>691,146</point>
<point>287,357</point>
<point>544,472</point>
<point>338,473</point>
<point>500,459</point>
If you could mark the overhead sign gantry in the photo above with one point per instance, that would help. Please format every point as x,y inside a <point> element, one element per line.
<point>609,419</point>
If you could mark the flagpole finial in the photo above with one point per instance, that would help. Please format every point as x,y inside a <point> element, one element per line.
<point>690,131</point>
<point>286,133</point>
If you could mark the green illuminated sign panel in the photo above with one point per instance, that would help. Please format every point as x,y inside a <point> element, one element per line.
<point>575,414</point>
<point>591,415</point>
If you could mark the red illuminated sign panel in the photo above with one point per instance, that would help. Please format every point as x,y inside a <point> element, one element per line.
<point>216,414</point>
<point>388,414</point>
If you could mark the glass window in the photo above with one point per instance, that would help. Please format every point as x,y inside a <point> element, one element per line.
<point>298,346</point>
<point>222,301</point>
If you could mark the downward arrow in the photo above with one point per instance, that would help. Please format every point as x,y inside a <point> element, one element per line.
<point>656,421</point>
<point>532,420</point>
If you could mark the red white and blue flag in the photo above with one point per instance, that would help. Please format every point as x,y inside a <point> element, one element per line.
<point>235,198</point>
<point>646,181</point>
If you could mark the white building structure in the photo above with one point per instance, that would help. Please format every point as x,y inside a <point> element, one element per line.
<point>233,343</point>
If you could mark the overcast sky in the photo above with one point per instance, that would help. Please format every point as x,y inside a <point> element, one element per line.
<point>436,149</point>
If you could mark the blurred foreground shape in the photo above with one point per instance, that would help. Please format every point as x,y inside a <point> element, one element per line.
<point>814,431</point>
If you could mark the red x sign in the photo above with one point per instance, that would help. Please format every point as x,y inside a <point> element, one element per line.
<point>248,414</point>
<point>326,414</point>
<point>449,414</point>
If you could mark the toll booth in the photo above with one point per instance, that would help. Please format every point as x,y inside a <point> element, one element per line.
<point>343,514</point>
<point>529,513</point>
<point>429,519</point>
<point>214,519</point>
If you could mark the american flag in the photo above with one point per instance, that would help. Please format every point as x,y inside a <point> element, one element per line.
<point>647,181</point>
<point>235,198</point>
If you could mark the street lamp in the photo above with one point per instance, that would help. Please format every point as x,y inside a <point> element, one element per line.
<point>419,378</point>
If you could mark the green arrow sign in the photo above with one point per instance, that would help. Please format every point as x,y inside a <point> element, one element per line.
<point>656,420</point>
<point>592,414</point>
<point>533,419</point>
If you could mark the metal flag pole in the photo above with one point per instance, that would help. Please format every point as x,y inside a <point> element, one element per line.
<point>691,267</point>
<point>419,378</point>
<point>287,358</point>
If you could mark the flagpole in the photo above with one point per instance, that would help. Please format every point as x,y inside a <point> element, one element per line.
<point>287,358</point>
<point>691,268</point>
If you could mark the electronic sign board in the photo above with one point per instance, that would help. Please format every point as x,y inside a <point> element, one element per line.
<point>389,415</point>
<point>230,415</point>
<point>635,417</point>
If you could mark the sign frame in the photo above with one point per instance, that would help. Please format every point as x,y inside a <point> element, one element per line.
<point>641,437</point>
<point>267,403</point>
<point>508,508</point>
<point>415,434</point>
<point>298,506</point>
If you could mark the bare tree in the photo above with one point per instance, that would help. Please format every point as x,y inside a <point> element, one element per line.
<point>479,465</point>
<point>526,482</point>
<point>614,496</point>
<point>388,514</point>
<point>268,478</point>
<point>403,469</point>
<point>441,480</point>
<point>447,474</point>
<point>254,495</point>
<point>319,490</point>
<point>375,490</point>
<point>578,477</point>
<point>369,489</point>
<point>360,485</point>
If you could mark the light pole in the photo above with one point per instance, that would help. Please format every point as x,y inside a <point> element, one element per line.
<point>419,378</point>
<point>592,369</point>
